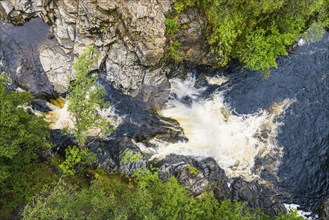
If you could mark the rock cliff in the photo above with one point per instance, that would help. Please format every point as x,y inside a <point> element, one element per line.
<point>131,36</point>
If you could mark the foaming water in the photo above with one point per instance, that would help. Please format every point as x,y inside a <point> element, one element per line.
<point>61,118</point>
<point>214,130</point>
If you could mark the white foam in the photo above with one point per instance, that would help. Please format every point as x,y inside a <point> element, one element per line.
<point>301,42</point>
<point>61,118</point>
<point>301,213</point>
<point>214,130</point>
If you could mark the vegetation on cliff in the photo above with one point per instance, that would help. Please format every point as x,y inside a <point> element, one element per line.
<point>255,32</point>
<point>85,98</point>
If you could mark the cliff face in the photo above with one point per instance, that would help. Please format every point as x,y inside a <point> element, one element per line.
<point>129,34</point>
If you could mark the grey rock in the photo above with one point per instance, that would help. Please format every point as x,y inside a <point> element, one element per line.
<point>155,87</point>
<point>257,194</point>
<point>210,176</point>
<point>20,58</point>
<point>6,7</point>
<point>324,210</point>
<point>123,70</point>
<point>57,66</point>
<point>192,38</point>
<point>144,29</point>
<point>131,38</point>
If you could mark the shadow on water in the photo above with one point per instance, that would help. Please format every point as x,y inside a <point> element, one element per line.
<point>303,76</point>
<point>19,55</point>
<point>138,121</point>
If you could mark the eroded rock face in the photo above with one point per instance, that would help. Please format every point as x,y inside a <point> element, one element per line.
<point>57,67</point>
<point>194,47</point>
<point>130,36</point>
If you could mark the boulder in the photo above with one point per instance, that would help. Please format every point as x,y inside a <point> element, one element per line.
<point>259,195</point>
<point>197,176</point>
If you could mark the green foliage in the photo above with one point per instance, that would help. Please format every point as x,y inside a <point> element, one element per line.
<point>173,52</point>
<point>257,32</point>
<point>291,216</point>
<point>76,158</point>
<point>182,5</point>
<point>85,99</point>
<point>147,197</point>
<point>130,157</point>
<point>171,26</point>
<point>315,32</point>
<point>22,137</point>
<point>194,171</point>
<point>23,185</point>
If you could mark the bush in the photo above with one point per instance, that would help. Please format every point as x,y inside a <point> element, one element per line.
<point>76,158</point>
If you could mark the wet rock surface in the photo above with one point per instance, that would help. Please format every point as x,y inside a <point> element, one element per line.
<point>268,197</point>
<point>324,210</point>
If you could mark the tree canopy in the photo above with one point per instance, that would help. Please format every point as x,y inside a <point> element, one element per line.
<point>256,32</point>
<point>86,98</point>
<point>22,138</point>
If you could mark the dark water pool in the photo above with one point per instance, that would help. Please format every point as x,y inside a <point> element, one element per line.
<point>303,76</point>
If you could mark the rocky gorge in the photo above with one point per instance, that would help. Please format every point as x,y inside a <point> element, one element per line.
<point>131,38</point>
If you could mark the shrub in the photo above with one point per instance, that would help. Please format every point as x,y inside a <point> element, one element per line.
<point>76,158</point>
<point>147,197</point>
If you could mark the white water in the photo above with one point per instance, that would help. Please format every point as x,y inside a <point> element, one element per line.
<point>301,213</point>
<point>214,130</point>
<point>61,118</point>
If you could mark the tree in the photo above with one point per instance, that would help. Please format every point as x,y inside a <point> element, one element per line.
<point>256,32</point>
<point>85,98</point>
<point>22,137</point>
<point>144,197</point>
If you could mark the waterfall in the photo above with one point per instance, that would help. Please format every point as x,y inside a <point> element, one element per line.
<point>215,130</point>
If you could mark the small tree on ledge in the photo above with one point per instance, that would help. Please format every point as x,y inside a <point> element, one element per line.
<point>85,99</point>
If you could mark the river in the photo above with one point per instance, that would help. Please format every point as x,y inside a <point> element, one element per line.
<point>275,129</point>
